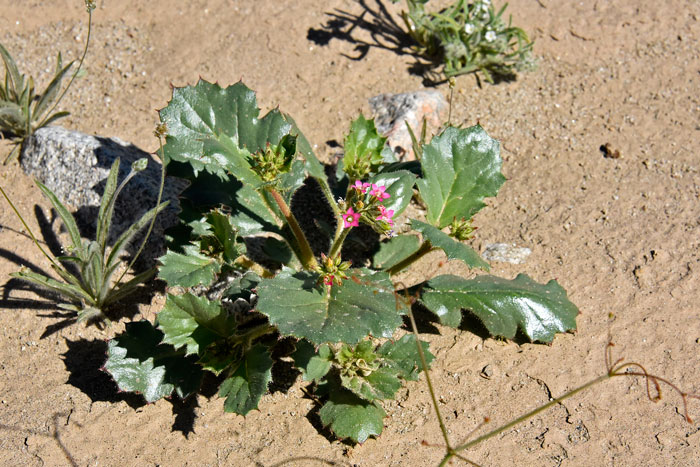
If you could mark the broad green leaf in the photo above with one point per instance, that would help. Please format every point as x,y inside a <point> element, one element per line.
<point>395,250</point>
<point>220,355</point>
<point>249,212</point>
<point>453,248</point>
<point>378,385</point>
<point>349,416</point>
<point>279,251</point>
<point>402,356</point>
<point>224,237</point>
<point>399,185</point>
<point>241,287</point>
<point>189,269</point>
<point>193,322</point>
<point>313,365</point>
<point>503,305</point>
<point>298,307</point>
<point>138,362</point>
<point>460,168</point>
<point>313,166</point>
<point>215,129</point>
<point>247,385</point>
<point>363,148</point>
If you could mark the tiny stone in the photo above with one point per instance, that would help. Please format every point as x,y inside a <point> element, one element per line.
<point>505,253</point>
<point>487,372</point>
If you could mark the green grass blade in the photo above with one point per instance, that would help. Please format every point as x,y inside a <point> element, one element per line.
<point>116,294</point>
<point>104,217</point>
<point>15,78</point>
<point>70,291</point>
<point>67,276</point>
<point>126,237</point>
<point>55,117</point>
<point>51,92</point>
<point>66,217</point>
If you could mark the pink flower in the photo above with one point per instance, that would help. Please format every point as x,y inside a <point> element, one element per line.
<point>328,280</point>
<point>386,215</point>
<point>361,187</point>
<point>351,218</point>
<point>379,192</point>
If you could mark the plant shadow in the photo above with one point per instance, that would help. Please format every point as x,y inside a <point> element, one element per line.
<point>384,33</point>
<point>84,360</point>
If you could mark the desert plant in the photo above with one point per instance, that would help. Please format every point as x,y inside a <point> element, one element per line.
<point>469,37</point>
<point>22,111</point>
<point>89,265</point>
<point>244,278</point>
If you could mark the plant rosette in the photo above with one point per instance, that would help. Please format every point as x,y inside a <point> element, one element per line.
<point>244,281</point>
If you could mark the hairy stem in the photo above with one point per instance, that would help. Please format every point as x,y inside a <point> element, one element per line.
<point>424,249</point>
<point>257,268</point>
<point>307,256</point>
<point>153,220</point>
<point>339,240</point>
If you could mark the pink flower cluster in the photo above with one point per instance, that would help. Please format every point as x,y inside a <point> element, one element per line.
<point>378,194</point>
<point>351,218</point>
<point>378,191</point>
<point>386,215</point>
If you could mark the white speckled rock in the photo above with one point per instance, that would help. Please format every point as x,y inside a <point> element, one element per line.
<point>392,111</point>
<point>505,253</point>
<point>75,165</point>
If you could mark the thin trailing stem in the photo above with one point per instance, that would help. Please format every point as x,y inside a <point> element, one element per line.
<point>613,369</point>
<point>307,255</point>
<point>526,416</point>
<point>428,381</point>
<point>90,6</point>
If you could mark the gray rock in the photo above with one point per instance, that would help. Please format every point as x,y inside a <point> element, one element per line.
<point>75,166</point>
<point>393,111</point>
<point>505,253</point>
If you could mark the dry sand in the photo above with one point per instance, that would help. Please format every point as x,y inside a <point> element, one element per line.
<point>622,235</point>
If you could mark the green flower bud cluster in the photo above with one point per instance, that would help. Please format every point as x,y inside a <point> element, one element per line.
<point>462,229</point>
<point>274,160</point>
<point>361,361</point>
<point>332,270</point>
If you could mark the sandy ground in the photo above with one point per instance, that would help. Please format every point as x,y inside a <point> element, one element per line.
<point>620,234</point>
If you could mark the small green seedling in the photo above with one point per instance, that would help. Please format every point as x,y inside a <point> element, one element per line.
<point>88,283</point>
<point>469,37</point>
